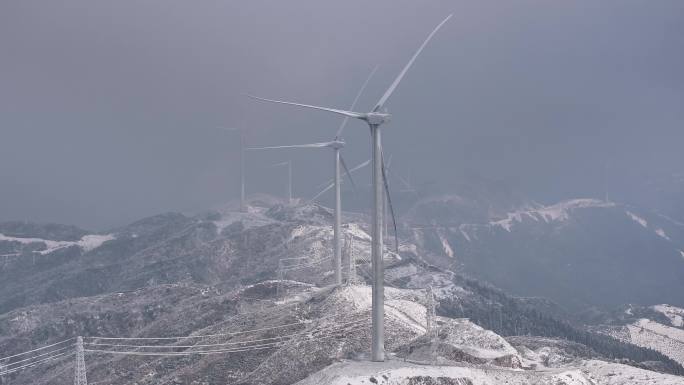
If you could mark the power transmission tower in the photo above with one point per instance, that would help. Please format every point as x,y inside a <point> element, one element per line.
<point>281,275</point>
<point>430,323</point>
<point>80,369</point>
<point>429,311</point>
<point>351,278</point>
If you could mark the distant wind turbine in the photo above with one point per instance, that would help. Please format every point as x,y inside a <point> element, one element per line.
<point>375,119</point>
<point>243,205</point>
<point>336,145</point>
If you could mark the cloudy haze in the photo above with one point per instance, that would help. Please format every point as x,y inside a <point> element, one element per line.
<point>108,110</point>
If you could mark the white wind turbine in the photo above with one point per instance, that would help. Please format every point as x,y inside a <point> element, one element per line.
<point>375,119</point>
<point>243,205</point>
<point>336,145</point>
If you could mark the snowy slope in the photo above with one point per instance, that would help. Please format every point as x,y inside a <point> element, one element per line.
<point>654,335</point>
<point>623,254</point>
<point>46,246</point>
<point>675,314</point>
<point>396,372</point>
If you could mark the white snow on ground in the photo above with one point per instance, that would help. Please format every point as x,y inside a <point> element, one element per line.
<point>253,218</point>
<point>608,373</point>
<point>637,219</point>
<point>445,244</point>
<point>558,212</point>
<point>87,242</point>
<point>665,339</point>
<point>675,314</point>
<point>357,232</point>
<point>93,241</point>
<point>661,233</point>
<point>395,372</point>
<point>475,340</point>
<point>409,313</point>
<point>461,228</point>
<point>359,297</point>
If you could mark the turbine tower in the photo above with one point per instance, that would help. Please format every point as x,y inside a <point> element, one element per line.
<point>336,145</point>
<point>243,204</point>
<point>375,119</point>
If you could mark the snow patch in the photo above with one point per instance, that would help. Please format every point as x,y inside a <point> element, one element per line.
<point>637,219</point>
<point>93,241</point>
<point>665,339</point>
<point>675,314</point>
<point>445,244</point>
<point>357,232</point>
<point>393,372</point>
<point>558,212</point>
<point>86,243</point>
<point>411,314</point>
<point>464,233</point>
<point>661,233</point>
<point>254,217</point>
<point>474,340</point>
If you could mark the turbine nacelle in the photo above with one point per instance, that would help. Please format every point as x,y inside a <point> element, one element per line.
<point>336,144</point>
<point>377,118</point>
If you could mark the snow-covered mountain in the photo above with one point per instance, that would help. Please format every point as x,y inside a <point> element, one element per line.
<point>579,253</point>
<point>216,275</point>
<point>657,327</point>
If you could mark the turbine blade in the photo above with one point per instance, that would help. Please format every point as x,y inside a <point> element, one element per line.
<point>394,85</point>
<point>349,114</point>
<point>346,170</point>
<point>310,145</point>
<point>353,105</point>
<point>327,182</point>
<point>406,184</point>
<point>389,203</point>
<point>331,185</point>
<point>279,164</point>
<point>360,166</point>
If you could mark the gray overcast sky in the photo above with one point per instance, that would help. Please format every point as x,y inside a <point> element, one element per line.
<point>108,109</point>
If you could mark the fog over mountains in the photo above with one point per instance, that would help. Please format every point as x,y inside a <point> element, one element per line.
<point>554,100</point>
<point>533,161</point>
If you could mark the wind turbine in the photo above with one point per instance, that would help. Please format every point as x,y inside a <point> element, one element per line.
<point>336,145</point>
<point>375,119</point>
<point>243,205</point>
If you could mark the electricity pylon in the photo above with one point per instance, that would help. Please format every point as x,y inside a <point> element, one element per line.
<point>351,279</point>
<point>80,369</point>
<point>430,312</point>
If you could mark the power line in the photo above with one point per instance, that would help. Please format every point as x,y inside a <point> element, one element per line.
<point>201,352</point>
<point>213,335</point>
<point>305,265</point>
<point>37,349</point>
<point>6,366</point>
<point>247,342</point>
<point>199,336</point>
<point>208,352</point>
<point>35,363</point>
